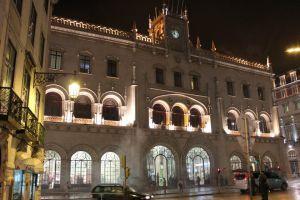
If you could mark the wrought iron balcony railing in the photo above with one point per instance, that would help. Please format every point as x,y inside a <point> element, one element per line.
<point>30,123</point>
<point>41,134</point>
<point>10,106</point>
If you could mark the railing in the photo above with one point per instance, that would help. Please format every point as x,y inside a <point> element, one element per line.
<point>287,91</point>
<point>53,118</point>
<point>41,133</point>
<point>10,105</point>
<point>30,123</point>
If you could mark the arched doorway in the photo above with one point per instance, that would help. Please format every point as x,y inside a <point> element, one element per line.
<point>195,118</point>
<point>161,166</point>
<point>159,114</point>
<point>268,163</point>
<point>83,107</point>
<point>177,116</point>
<point>110,168</point>
<point>198,165</point>
<point>235,162</point>
<point>52,168</point>
<point>110,110</point>
<point>53,104</point>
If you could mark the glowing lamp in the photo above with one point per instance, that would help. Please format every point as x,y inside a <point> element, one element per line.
<point>74,90</point>
<point>293,50</point>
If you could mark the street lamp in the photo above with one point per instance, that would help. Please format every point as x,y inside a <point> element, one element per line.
<point>41,78</point>
<point>293,50</point>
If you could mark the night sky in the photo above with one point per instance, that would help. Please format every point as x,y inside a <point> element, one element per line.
<point>252,29</point>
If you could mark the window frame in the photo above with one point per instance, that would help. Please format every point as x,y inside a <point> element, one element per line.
<point>85,56</point>
<point>262,90</point>
<point>232,88</point>
<point>180,85</point>
<point>32,24</point>
<point>10,64</point>
<point>157,81</point>
<point>56,56</point>
<point>197,88</point>
<point>108,71</point>
<point>246,86</point>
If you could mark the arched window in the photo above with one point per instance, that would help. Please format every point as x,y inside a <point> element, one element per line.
<point>177,116</point>
<point>267,161</point>
<point>53,104</point>
<point>110,168</point>
<point>161,165</point>
<point>263,125</point>
<point>231,122</point>
<point>81,168</point>
<point>253,163</point>
<point>198,165</point>
<point>83,107</point>
<point>195,118</point>
<point>292,154</point>
<point>159,114</point>
<point>52,169</point>
<point>235,162</point>
<point>110,110</point>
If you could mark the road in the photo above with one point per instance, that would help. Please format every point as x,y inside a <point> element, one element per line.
<point>277,195</point>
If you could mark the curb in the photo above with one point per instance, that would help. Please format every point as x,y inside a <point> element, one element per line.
<point>189,195</point>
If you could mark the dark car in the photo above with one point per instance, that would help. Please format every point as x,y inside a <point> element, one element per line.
<point>117,192</point>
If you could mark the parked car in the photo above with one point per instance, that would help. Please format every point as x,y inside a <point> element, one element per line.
<point>275,181</point>
<point>117,192</point>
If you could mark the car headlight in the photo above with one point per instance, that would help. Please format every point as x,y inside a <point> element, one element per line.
<point>147,197</point>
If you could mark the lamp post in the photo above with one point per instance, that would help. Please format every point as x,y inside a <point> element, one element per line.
<point>42,78</point>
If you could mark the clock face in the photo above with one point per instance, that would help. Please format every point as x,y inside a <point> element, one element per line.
<point>175,34</point>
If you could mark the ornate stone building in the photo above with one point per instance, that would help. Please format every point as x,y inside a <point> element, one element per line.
<point>286,97</point>
<point>171,107</point>
<point>23,40</point>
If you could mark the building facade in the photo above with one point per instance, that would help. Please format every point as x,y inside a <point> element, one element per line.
<point>287,97</point>
<point>170,106</point>
<point>23,40</point>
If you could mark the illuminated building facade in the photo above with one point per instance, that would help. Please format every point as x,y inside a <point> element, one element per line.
<point>170,106</point>
<point>23,41</point>
<point>287,97</point>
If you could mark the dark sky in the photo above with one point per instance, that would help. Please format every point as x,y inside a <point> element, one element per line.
<point>252,29</point>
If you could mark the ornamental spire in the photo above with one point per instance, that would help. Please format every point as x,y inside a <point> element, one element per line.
<point>268,62</point>
<point>213,46</point>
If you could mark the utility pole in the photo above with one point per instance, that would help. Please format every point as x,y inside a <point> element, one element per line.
<point>126,170</point>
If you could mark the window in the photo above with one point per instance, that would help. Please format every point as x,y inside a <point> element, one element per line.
<point>292,154</point>
<point>46,4</point>
<point>25,88</point>
<point>112,68</point>
<point>81,168</point>
<point>42,49</point>
<point>230,88</point>
<point>85,64</point>
<point>177,79</point>
<point>110,110</point>
<point>18,4</point>
<point>195,82</point>
<point>198,165</point>
<point>52,168</point>
<point>246,90</point>
<point>83,107</point>
<point>260,93</point>
<point>177,116</point>
<point>53,104</point>
<point>110,168</point>
<point>10,63</point>
<point>32,24</point>
<point>37,103</point>
<point>55,59</point>
<point>297,105</point>
<point>195,118</point>
<point>235,163</point>
<point>159,75</point>
<point>159,114</point>
<point>19,184</point>
<point>231,122</point>
<point>267,161</point>
<point>263,125</point>
<point>285,107</point>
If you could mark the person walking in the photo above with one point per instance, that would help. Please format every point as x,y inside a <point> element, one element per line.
<point>180,186</point>
<point>165,185</point>
<point>263,186</point>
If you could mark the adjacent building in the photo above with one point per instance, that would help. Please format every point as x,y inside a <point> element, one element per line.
<point>170,106</point>
<point>287,98</point>
<point>24,30</point>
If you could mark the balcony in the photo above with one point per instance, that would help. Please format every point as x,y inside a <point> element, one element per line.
<point>10,107</point>
<point>287,90</point>
<point>30,125</point>
<point>41,134</point>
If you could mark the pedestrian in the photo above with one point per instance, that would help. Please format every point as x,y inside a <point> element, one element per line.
<point>198,181</point>
<point>263,186</point>
<point>165,185</point>
<point>253,184</point>
<point>180,185</point>
<point>68,189</point>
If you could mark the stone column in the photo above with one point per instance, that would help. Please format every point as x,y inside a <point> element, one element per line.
<point>294,130</point>
<point>69,107</point>
<point>65,173</point>
<point>96,173</point>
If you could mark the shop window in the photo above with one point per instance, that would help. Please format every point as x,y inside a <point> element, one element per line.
<point>83,107</point>
<point>110,110</point>
<point>53,104</point>
<point>52,169</point>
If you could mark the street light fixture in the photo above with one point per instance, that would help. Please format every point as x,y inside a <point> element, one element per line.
<point>293,50</point>
<point>42,78</point>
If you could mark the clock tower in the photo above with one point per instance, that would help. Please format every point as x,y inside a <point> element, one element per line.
<point>172,28</point>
